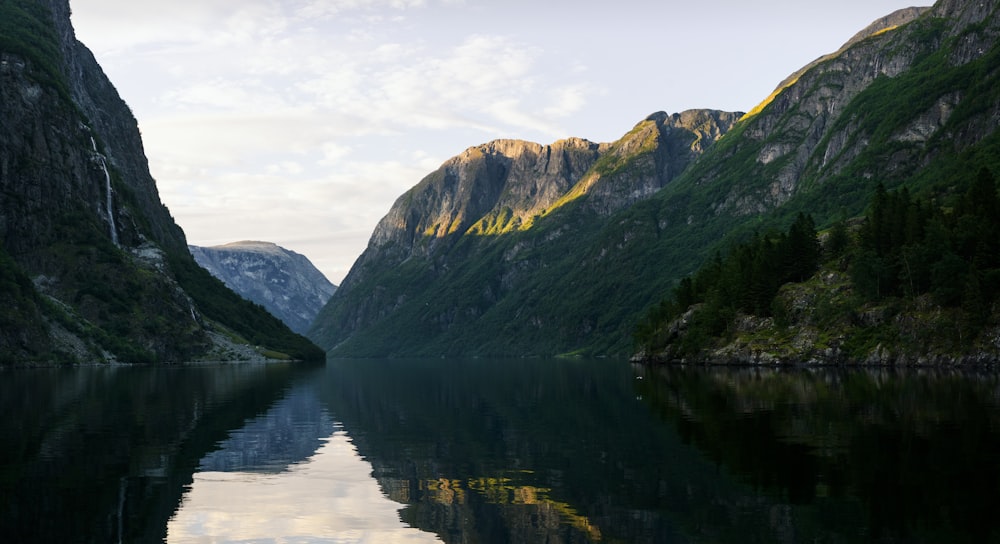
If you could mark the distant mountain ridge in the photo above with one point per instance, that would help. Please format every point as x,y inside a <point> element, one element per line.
<point>282,281</point>
<point>911,101</point>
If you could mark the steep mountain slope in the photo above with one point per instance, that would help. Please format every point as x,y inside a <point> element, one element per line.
<point>285,283</point>
<point>93,267</point>
<point>914,100</point>
<point>456,256</point>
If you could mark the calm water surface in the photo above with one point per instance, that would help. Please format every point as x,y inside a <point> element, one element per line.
<point>498,451</point>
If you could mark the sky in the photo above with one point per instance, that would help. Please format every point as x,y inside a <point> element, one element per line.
<point>300,122</point>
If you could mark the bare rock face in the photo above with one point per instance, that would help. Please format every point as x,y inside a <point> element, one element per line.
<point>808,130</point>
<point>285,283</point>
<point>654,153</point>
<point>490,189</point>
<point>78,207</point>
<point>505,187</point>
<point>93,266</point>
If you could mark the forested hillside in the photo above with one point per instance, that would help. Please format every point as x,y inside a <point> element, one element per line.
<point>915,281</point>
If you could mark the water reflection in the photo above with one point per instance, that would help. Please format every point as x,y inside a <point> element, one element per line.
<point>103,454</point>
<point>288,434</point>
<point>498,451</point>
<point>291,474</point>
<point>577,451</point>
<point>857,455</point>
<point>329,498</point>
<point>515,451</point>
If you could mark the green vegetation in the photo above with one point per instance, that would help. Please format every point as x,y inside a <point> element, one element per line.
<point>927,276</point>
<point>117,306</point>
<point>26,30</point>
<point>249,320</point>
<point>92,298</point>
<point>19,311</point>
<point>745,281</point>
<point>907,247</point>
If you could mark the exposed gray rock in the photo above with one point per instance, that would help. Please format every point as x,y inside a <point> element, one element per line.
<point>282,281</point>
<point>503,187</point>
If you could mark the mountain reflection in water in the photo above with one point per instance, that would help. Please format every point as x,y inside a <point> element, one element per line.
<point>555,451</point>
<point>291,474</point>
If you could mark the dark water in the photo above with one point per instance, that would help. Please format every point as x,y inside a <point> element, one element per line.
<point>497,451</point>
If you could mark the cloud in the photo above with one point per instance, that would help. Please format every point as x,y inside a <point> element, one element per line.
<point>294,121</point>
<point>327,214</point>
<point>302,120</point>
<point>323,9</point>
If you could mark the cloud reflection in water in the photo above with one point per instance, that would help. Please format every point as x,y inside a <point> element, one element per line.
<point>291,475</point>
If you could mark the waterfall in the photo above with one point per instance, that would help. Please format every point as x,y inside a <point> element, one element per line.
<point>108,204</point>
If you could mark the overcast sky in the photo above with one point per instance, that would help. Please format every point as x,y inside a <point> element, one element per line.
<point>300,122</point>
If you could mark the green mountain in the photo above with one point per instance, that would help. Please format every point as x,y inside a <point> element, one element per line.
<point>560,249</point>
<point>92,265</point>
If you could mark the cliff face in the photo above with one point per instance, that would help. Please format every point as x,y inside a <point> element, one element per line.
<point>831,118</point>
<point>282,281</point>
<point>505,185</point>
<point>55,153</point>
<point>95,267</point>
<point>909,101</point>
<point>467,213</point>
<point>111,117</point>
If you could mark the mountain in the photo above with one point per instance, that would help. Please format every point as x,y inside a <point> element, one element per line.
<point>462,260</point>
<point>911,101</point>
<point>92,265</point>
<point>282,281</point>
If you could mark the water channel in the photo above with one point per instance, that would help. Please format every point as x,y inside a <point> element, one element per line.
<point>521,450</point>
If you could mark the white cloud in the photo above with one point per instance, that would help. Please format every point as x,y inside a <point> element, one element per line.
<point>334,153</point>
<point>566,101</point>
<point>304,120</point>
<point>268,119</point>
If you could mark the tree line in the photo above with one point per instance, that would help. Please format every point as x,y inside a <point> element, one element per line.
<point>906,247</point>
<point>745,281</point>
<point>910,247</point>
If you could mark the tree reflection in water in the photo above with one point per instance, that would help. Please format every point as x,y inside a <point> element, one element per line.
<point>909,455</point>
<point>498,451</point>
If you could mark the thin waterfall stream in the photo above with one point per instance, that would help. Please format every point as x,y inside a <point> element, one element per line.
<point>108,205</point>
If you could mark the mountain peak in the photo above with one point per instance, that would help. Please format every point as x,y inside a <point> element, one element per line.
<point>910,100</point>
<point>500,190</point>
<point>282,281</point>
<point>251,245</point>
<point>880,26</point>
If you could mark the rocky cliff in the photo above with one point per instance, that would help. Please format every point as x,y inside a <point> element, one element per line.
<point>477,203</point>
<point>910,101</point>
<point>285,283</point>
<point>93,265</point>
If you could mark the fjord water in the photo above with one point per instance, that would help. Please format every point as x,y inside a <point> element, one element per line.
<point>497,451</point>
